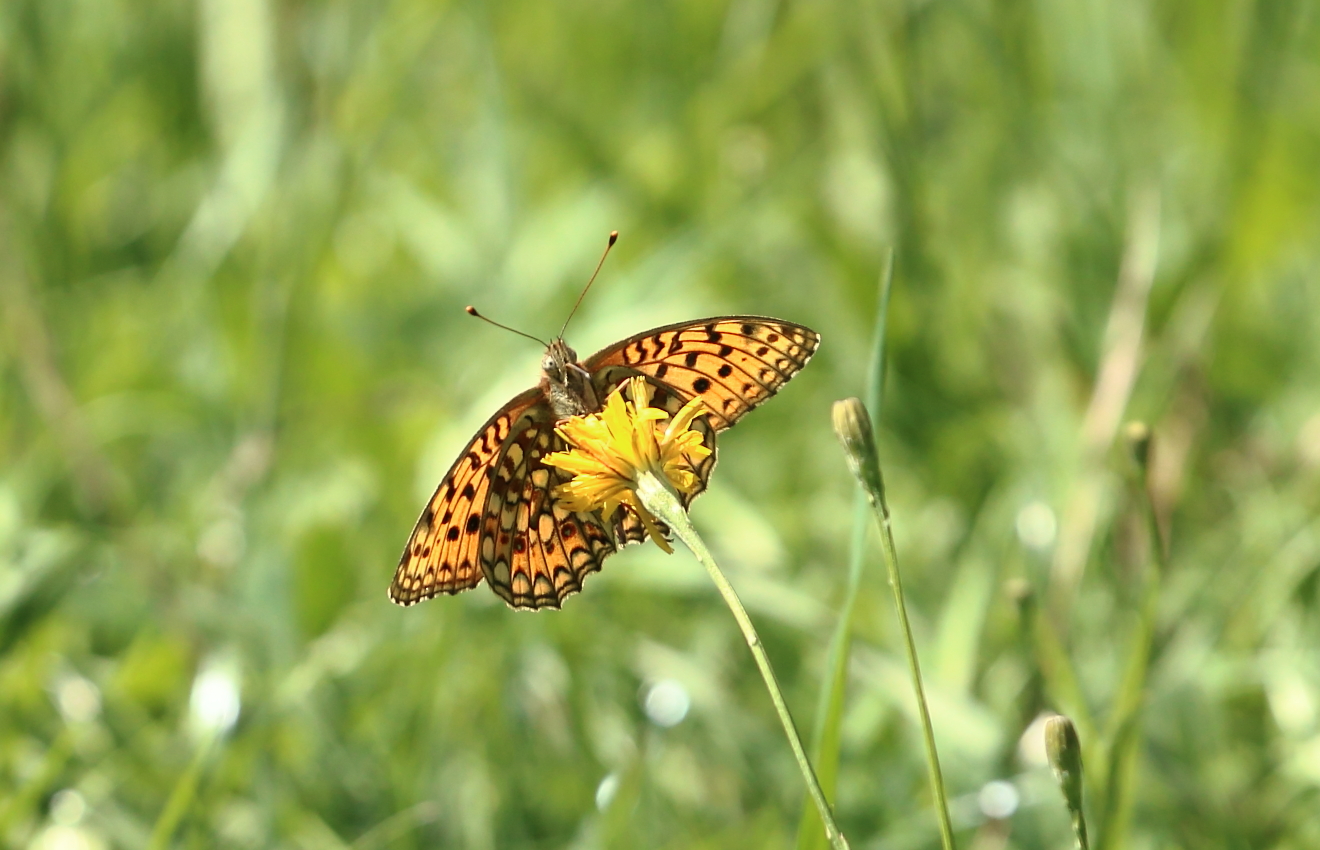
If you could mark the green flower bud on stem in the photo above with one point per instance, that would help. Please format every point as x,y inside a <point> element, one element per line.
<point>1065,754</point>
<point>852,424</point>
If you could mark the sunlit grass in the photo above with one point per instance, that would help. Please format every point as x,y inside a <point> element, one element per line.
<point>236,237</point>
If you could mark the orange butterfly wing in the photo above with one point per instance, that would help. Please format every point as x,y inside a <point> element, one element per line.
<point>536,553</point>
<point>443,554</point>
<point>492,517</point>
<point>734,363</point>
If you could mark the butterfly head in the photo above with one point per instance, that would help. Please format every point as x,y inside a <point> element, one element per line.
<point>558,358</point>
<point>566,383</point>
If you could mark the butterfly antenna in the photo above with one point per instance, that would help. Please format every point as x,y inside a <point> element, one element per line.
<point>472,311</point>
<point>614,237</point>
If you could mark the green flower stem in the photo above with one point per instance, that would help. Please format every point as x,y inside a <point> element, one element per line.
<point>662,502</point>
<point>853,426</point>
<point>927,729</point>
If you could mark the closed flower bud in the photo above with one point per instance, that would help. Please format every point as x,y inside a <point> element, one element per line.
<point>852,424</point>
<point>1064,752</point>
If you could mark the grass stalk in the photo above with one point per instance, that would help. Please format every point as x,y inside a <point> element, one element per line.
<point>664,504</point>
<point>1124,731</point>
<point>20,804</point>
<point>1060,677</point>
<point>829,712</point>
<point>182,796</point>
<point>853,425</point>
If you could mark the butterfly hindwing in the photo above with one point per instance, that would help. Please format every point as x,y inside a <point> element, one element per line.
<point>536,553</point>
<point>443,551</point>
<point>733,363</point>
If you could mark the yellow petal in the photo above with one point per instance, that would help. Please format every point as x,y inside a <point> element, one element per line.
<point>577,463</point>
<point>640,392</point>
<point>683,420</point>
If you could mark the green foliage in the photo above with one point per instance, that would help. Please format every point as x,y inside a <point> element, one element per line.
<point>236,237</point>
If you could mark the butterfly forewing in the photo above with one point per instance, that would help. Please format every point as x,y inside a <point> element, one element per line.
<point>733,363</point>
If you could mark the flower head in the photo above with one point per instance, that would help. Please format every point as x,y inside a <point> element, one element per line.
<point>612,450</point>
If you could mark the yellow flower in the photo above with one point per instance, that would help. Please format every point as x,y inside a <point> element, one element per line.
<point>612,450</point>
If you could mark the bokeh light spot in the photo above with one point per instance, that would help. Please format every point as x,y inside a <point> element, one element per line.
<point>1036,526</point>
<point>667,703</point>
<point>998,799</point>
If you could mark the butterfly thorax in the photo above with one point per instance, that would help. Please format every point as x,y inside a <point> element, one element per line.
<point>566,384</point>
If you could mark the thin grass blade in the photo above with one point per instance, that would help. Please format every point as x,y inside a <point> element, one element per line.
<point>829,711</point>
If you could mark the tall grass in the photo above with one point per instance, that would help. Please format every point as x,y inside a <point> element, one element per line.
<point>236,237</point>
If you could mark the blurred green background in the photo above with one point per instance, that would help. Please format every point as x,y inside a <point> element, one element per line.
<point>236,238</point>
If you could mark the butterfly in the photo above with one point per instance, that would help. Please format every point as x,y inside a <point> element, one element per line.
<point>493,515</point>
